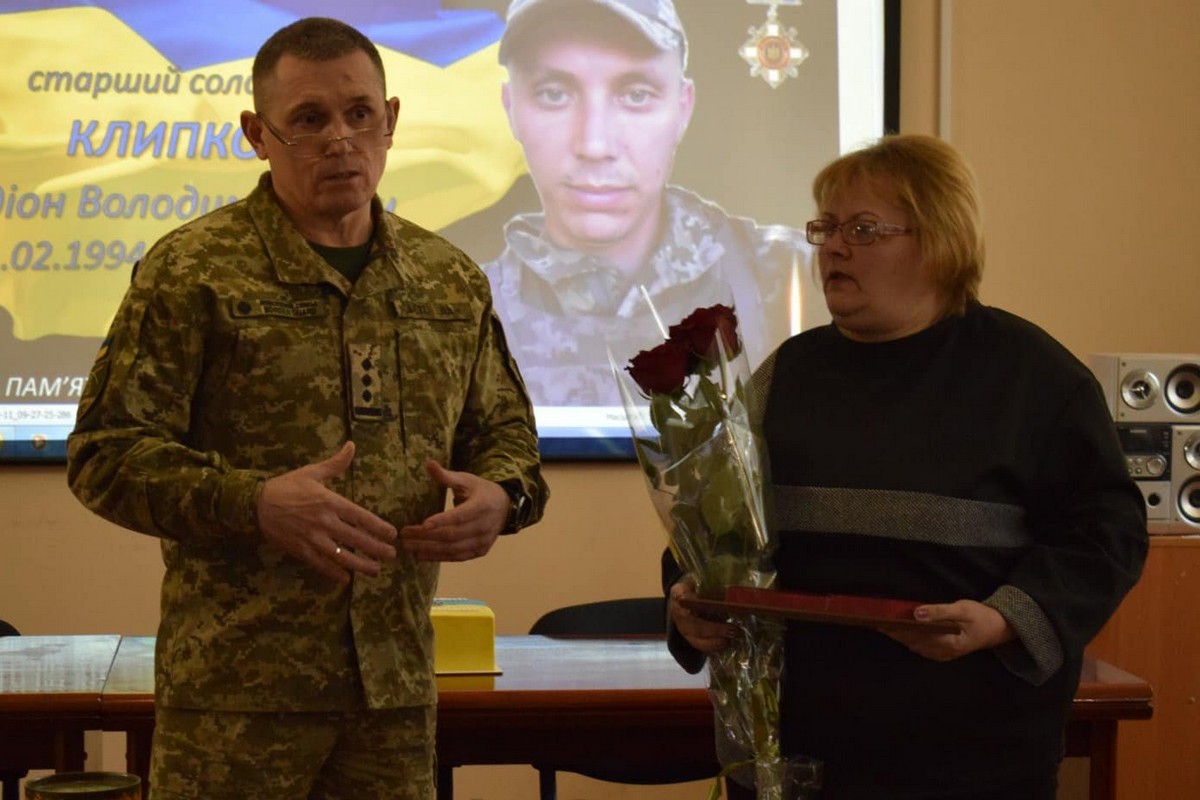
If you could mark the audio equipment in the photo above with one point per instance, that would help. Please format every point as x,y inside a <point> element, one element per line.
<point>1143,387</point>
<point>1185,467</point>
<point>1154,398</point>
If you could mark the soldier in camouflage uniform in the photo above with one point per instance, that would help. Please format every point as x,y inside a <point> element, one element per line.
<point>288,390</point>
<point>599,100</point>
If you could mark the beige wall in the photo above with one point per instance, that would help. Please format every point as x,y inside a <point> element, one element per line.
<point>1082,120</point>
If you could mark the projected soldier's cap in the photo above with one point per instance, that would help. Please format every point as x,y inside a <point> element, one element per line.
<point>656,20</point>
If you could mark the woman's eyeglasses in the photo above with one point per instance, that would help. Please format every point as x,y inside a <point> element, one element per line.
<point>855,231</point>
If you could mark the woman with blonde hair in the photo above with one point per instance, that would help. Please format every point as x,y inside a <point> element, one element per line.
<point>927,447</point>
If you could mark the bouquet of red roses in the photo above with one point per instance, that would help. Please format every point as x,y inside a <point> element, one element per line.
<point>705,467</point>
<point>703,464</point>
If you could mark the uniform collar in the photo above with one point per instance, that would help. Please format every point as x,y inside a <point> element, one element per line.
<point>295,262</point>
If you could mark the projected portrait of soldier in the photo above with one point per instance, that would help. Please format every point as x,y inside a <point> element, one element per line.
<point>599,98</point>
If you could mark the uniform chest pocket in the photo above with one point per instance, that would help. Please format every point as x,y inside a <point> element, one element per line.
<point>436,349</point>
<point>280,339</point>
<point>269,364</point>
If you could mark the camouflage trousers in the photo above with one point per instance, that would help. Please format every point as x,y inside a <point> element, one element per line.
<point>221,755</point>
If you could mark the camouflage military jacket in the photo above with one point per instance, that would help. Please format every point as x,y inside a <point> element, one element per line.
<point>238,354</point>
<point>563,310</point>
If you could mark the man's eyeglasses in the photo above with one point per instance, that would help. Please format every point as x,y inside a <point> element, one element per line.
<point>315,145</point>
<point>855,231</point>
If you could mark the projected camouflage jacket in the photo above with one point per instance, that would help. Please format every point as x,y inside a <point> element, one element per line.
<point>564,310</point>
<point>238,354</point>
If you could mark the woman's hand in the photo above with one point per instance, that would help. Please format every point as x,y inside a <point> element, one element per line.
<point>980,628</point>
<point>702,633</point>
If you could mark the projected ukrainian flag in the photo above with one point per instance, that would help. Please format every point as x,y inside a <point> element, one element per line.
<point>118,122</point>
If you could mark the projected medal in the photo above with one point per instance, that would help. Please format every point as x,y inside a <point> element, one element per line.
<point>772,50</point>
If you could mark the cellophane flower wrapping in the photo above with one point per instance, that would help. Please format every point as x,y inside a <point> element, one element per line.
<point>687,401</point>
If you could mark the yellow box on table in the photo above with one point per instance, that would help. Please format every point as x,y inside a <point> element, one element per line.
<point>464,637</point>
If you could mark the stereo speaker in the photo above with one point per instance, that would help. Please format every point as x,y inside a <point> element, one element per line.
<point>1154,398</point>
<point>1150,387</point>
<point>1185,474</point>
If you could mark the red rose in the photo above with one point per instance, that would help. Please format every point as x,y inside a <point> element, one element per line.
<point>662,370</point>
<point>699,330</point>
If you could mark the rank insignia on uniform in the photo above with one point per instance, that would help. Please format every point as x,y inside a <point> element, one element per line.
<point>772,50</point>
<point>366,386</point>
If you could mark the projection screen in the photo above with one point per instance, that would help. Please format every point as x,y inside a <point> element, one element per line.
<point>119,122</point>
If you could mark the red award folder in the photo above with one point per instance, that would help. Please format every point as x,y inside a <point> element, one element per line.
<point>839,609</point>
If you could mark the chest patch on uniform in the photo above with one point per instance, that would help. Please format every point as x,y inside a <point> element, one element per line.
<point>266,307</point>
<point>432,310</point>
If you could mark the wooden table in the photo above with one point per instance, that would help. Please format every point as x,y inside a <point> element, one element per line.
<point>572,701</point>
<point>576,702</point>
<point>1106,695</point>
<point>50,688</point>
<point>127,703</point>
<point>561,700</point>
<point>579,701</point>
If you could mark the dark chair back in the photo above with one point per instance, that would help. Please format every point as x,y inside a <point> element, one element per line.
<point>628,616</point>
<point>625,617</point>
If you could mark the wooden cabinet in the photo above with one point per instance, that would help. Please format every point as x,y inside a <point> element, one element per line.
<point>1155,634</point>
